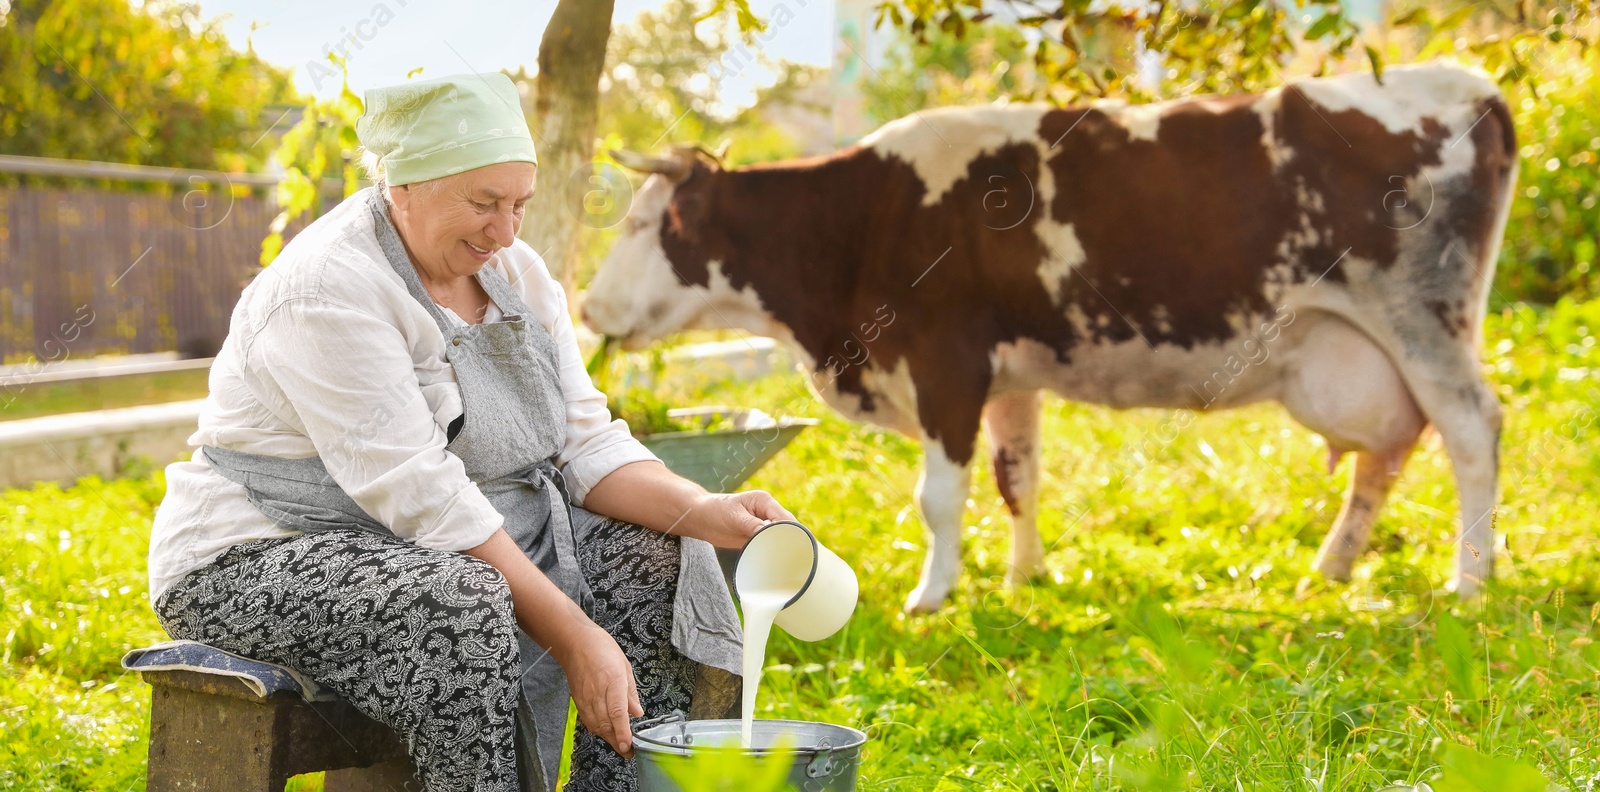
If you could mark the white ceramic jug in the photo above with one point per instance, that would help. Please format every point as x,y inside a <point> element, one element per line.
<point>786,556</point>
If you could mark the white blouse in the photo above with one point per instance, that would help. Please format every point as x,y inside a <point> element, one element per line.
<point>329,355</point>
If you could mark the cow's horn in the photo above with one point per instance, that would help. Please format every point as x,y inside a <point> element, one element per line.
<point>715,155</point>
<point>670,167</point>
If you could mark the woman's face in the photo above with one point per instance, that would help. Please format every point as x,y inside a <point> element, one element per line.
<point>451,226</point>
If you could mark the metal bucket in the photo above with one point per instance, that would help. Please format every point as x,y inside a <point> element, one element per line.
<point>825,756</point>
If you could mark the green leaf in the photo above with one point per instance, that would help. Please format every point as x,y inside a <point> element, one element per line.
<point>271,246</point>
<point>748,21</point>
<point>1324,25</point>
<point>1460,657</point>
<point>728,769</point>
<point>1466,770</point>
<point>602,356</point>
<point>1377,63</point>
<point>1415,16</point>
<point>1148,776</point>
<point>1455,18</point>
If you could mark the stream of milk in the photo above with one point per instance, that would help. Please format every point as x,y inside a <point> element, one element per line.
<point>760,608</point>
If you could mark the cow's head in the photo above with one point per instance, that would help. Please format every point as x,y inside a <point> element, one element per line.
<point>639,294</point>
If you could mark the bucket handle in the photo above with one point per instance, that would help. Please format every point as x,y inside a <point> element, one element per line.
<point>821,765</point>
<point>671,717</point>
<point>675,716</point>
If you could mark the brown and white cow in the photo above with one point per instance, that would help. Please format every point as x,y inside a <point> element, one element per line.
<point>1328,245</point>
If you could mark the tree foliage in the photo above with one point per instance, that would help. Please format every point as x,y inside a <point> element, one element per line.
<point>1141,50</point>
<point>154,85</point>
<point>1087,49</point>
<point>945,69</point>
<point>1550,244</point>
<point>669,78</point>
<point>319,149</point>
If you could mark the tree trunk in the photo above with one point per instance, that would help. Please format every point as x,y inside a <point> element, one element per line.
<point>572,55</point>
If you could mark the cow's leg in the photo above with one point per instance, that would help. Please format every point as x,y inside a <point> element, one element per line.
<point>1343,386</point>
<point>1012,423</point>
<point>942,494</point>
<point>1468,416</point>
<point>1374,476</point>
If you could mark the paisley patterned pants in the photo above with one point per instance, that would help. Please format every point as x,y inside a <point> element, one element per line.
<point>425,640</point>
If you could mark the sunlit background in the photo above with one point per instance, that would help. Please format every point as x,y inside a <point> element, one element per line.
<point>398,36</point>
<point>156,155</point>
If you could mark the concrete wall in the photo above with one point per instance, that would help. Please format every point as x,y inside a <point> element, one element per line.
<point>65,448</point>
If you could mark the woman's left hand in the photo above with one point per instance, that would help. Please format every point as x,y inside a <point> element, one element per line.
<point>728,520</point>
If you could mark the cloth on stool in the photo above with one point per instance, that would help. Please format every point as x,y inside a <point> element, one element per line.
<point>263,679</point>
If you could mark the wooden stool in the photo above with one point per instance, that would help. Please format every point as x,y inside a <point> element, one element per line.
<point>210,732</point>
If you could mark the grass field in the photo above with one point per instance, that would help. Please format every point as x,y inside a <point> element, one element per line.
<point>32,400</point>
<point>1181,641</point>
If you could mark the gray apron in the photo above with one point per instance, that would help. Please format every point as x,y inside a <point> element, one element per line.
<point>512,426</point>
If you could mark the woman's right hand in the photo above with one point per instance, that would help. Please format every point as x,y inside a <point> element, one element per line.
<point>602,684</point>
<point>598,673</point>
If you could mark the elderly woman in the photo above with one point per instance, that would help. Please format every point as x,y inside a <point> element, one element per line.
<point>402,462</point>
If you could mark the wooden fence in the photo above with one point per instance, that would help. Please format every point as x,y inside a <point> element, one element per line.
<point>99,258</point>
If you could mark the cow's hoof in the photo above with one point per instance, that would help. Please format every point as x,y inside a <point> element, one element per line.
<point>1335,568</point>
<point>1017,578</point>
<point>924,599</point>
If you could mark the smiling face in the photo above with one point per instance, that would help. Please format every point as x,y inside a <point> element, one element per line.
<point>452,226</point>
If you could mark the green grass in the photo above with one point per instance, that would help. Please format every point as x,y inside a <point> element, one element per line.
<point>1181,642</point>
<point>31,400</point>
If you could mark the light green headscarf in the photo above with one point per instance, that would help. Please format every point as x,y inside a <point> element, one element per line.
<point>432,128</point>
